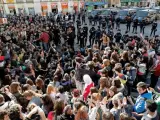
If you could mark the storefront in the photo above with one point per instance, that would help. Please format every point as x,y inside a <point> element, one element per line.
<point>75,6</point>
<point>94,5</point>
<point>130,2</point>
<point>54,7</point>
<point>12,9</point>
<point>64,6</point>
<point>44,9</point>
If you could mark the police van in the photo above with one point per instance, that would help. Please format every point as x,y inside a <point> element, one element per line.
<point>122,14</point>
<point>148,15</point>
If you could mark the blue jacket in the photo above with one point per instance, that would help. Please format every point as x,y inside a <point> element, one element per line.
<point>139,106</point>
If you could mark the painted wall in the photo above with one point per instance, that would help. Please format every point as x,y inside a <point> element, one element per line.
<point>36,6</point>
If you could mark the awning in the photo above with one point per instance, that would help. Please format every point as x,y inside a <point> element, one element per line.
<point>89,3</point>
<point>99,3</point>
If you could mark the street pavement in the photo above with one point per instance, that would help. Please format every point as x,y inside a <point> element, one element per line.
<point>147,31</point>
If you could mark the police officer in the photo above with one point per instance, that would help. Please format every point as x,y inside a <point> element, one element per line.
<point>103,23</point>
<point>69,16</point>
<point>98,36</point>
<point>118,23</point>
<point>142,26</point>
<point>154,28</point>
<point>73,17</point>
<point>112,20</point>
<point>82,38</point>
<point>79,29</point>
<point>78,23</point>
<point>109,25</point>
<point>135,24</point>
<point>110,34</point>
<point>125,37</point>
<point>90,18</point>
<point>85,30</point>
<point>118,36</point>
<point>79,16</point>
<point>92,32</point>
<point>95,19</point>
<point>83,18</point>
<point>128,23</point>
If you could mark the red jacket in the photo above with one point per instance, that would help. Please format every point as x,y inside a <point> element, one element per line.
<point>44,37</point>
<point>87,91</point>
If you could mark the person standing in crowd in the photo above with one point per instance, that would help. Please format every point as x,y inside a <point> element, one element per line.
<point>129,21</point>
<point>78,23</point>
<point>139,106</point>
<point>85,32</point>
<point>83,19</point>
<point>78,34</point>
<point>135,24</point>
<point>142,26</point>
<point>90,18</point>
<point>82,38</point>
<point>118,36</point>
<point>92,32</point>
<point>154,28</point>
<point>118,23</point>
<point>44,40</point>
<point>70,37</point>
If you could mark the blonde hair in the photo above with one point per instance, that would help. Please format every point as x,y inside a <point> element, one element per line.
<point>29,93</point>
<point>82,113</point>
<point>50,89</point>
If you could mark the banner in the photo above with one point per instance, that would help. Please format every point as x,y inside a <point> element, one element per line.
<point>9,1</point>
<point>64,5</point>
<point>44,8</point>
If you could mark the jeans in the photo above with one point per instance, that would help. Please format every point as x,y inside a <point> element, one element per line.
<point>44,46</point>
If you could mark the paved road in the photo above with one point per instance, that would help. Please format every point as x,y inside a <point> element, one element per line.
<point>123,29</point>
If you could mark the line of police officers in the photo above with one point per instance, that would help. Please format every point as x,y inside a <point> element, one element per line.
<point>105,25</point>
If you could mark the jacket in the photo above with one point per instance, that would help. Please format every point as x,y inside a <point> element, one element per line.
<point>44,37</point>
<point>132,74</point>
<point>139,106</point>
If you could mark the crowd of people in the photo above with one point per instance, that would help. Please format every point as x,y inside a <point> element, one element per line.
<point>44,77</point>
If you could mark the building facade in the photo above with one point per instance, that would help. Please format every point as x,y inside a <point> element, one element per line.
<point>39,6</point>
<point>114,3</point>
<point>142,3</point>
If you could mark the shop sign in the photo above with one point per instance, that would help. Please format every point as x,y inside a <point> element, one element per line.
<point>9,1</point>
